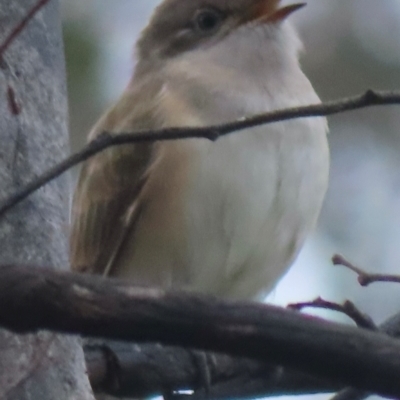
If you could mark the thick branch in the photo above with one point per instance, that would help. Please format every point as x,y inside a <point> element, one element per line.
<point>106,140</point>
<point>134,370</point>
<point>361,320</point>
<point>99,307</point>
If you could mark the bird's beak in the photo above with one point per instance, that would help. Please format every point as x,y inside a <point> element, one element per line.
<point>268,11</point>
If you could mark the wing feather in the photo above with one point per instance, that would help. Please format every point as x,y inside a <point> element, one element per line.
<point>109,184</point>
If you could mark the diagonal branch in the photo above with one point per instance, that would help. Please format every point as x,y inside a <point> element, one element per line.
<point>32,299</point>
<point>107,140</point>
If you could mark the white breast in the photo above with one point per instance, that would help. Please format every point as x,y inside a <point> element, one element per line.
<point>255,195</point>
<point>254,198</point>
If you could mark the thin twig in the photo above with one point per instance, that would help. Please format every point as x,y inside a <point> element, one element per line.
<point>364,278</point>
<point>347,308</point>
<point>361,320</point>
<point>21,26</point>
<point>107,140</point>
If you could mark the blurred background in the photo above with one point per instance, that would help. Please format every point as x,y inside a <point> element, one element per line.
<point>351,45</point>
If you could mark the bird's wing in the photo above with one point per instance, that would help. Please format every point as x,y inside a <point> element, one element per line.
<point>106,201</point>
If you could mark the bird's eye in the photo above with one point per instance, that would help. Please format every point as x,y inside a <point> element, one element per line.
<point>208,21</point>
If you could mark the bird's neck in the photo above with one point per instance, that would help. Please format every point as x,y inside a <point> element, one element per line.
<point>249,72</point>
<point>245,75</point>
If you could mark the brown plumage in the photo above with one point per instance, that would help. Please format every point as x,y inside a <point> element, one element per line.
<point>225,218</point>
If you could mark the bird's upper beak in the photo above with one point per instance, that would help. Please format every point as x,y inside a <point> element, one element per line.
<point>265,11</point>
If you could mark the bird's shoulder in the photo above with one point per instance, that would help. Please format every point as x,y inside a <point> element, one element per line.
<point>110,182</point>
<point>107,200</point>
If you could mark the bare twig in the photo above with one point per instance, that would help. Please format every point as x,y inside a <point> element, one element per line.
<point>361,320</point>
<point>364,278</point>
<point>107,140</point>
<point>21,26</point>
<point>33,299</point>
<point>347,308</point>
<point>391,327</point>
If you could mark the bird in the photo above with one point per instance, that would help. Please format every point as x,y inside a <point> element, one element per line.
<point>224,218</point>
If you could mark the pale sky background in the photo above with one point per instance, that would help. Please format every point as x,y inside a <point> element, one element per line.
<point>351,45</point>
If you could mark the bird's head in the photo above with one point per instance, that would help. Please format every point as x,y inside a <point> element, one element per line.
<point>181,26</point>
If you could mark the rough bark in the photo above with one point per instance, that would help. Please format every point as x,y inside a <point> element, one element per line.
<point>109,308</point>
<point>33,136</point>
<point>144,370</point>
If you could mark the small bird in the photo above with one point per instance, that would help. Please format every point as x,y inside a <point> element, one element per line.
<point>225,218</point>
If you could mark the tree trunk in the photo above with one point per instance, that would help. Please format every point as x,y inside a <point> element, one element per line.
<point>33,136</point>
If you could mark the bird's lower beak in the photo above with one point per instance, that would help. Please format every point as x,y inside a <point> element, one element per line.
<point>268,11</point>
